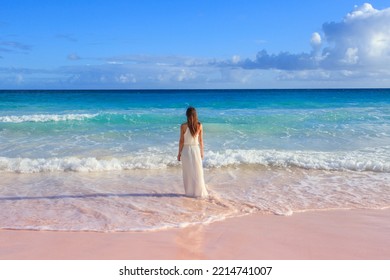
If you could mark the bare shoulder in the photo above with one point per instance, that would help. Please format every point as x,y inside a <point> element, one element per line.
<point>183,126</point>
<point>200,129</point>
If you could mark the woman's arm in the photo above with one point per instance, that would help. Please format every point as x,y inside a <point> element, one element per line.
<point>181,141</point>
<point>201,141</point>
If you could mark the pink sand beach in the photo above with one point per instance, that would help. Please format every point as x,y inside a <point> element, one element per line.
<point>321,235</point>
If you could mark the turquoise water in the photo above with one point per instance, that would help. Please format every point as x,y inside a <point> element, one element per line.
<point>122,124</point>
<point>273,151</point>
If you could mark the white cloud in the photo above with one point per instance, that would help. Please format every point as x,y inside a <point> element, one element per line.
<point>315,40</point>
<point>351,56</point>
<point>126,78</point>
<point>236,59</point>
<point>363,35</point>
<point>316,44</point>
<point>361,40</point>
<point>362,11</point>
<point>354,49</point>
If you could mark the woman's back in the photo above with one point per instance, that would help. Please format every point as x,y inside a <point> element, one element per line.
<point>189,139</point>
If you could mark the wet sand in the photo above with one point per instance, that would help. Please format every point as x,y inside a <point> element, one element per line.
<point>320,235</point>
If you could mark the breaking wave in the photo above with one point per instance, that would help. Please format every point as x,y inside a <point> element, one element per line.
<point>375,160</point>
<point>46,118</point>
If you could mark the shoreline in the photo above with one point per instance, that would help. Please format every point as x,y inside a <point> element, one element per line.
<point>357,234</point>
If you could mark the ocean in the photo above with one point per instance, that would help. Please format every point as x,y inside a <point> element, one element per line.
<point>105,160</point>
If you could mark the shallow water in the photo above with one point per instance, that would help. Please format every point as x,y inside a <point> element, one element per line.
<point>153,199</point>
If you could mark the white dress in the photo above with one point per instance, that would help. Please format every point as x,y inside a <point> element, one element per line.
<point>191,159</point>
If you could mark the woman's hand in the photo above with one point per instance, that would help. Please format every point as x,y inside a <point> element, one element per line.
<point>178,157</point>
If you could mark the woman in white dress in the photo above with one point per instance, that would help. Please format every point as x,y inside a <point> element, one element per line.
<point>191,155</point>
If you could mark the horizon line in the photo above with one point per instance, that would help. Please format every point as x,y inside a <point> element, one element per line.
<point>201,89</point>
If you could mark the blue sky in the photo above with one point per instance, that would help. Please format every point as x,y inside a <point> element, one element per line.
<point>138,44</point>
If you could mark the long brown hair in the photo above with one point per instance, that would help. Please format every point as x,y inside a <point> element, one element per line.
<point>192,121</point>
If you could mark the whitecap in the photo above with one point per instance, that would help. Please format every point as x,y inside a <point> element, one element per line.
<point>46,118</point>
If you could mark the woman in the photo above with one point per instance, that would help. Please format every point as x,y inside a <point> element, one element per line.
<point>191,155</point>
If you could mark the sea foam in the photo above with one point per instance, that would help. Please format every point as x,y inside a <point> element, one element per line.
<point>45,118</point>
<point>376,160</point>
<point>89,164</point>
